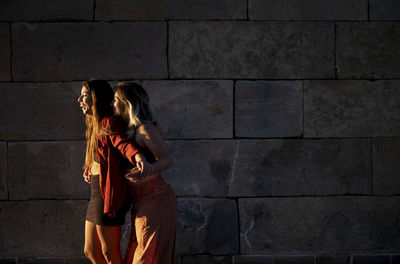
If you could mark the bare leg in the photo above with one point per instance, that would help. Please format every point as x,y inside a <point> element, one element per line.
<point>130,251</point>
<point>92,244</point>
<point>110,237</point>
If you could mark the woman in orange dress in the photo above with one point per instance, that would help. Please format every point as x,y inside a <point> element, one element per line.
<point>154,206</point>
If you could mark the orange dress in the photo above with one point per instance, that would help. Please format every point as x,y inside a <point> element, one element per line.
<point>154,212</point>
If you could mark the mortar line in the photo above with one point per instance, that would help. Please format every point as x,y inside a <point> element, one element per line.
<point>247,11</point>
<point>205,139</point>
<point>205,79</point>
<point>186,20</point>
<point>94,11</point>
<point>368,10</point>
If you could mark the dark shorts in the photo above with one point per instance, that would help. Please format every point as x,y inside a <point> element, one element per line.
<point>94,212</point>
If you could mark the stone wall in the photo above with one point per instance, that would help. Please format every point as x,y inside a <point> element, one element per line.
<point>283,117</point>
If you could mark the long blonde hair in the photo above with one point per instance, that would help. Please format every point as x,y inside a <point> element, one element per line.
<point>136,102</point>
<point>102,96</point>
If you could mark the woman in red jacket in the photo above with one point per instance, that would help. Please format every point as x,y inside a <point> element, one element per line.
<point>106,150</point>
<point>152,240</point>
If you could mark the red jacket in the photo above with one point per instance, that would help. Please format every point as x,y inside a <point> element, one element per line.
<point>112,149</point>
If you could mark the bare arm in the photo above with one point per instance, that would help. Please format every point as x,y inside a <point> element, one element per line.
<point>149,137</point>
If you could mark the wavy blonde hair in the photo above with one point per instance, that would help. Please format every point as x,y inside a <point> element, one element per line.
<point>102,96</point>
<point>137,108</point>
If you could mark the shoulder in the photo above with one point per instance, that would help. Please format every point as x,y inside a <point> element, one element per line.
<point>147,128</point>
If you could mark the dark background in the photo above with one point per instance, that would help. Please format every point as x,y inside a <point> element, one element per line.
<point>283,118</point>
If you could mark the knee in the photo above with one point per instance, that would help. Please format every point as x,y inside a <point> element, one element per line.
<point>91,253</point>
<point>88,252</point>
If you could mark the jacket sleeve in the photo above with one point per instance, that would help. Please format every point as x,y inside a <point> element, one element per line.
<point>118,138</point>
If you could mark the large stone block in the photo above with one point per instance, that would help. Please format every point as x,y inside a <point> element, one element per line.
<point>384,9</point>
<point>395,259</point>
<point>371,259</point>
<point>5,52</point>
<point>308,10</point>
<point>41,260</point>
<point>248,259</point>
<point>319,225</point>
<point>333,259</point>
<point>202,167</point>
<point>368,50</point>
<point>251,50</point>
<point>77,260</point>
<point>268,109</point>
<point>42,10</point>
<point>8,261</point>
<point>206,259</point>
<point>207,226</point>
<point>193,109</point>
<point>294,260</point>
<point>3,171</point>
<point>301,167</point>
<point>47,170</point>
<point>270,167</point>
<point>42,228</point>
<point>87,50</point>
<point>351,108</point>
<point>41,111</point>
<point>386,167</point>
<point>171,10</point>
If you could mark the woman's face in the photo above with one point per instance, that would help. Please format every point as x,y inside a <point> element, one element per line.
<point>117,104</point>
<point>85,101</point>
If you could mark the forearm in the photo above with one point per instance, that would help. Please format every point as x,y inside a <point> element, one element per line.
<point>162,164</point>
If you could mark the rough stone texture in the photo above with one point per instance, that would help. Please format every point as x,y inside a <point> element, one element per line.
<point>77,260</point>
<point>351,108</point>
<point>40,111</point>
<point>371,259</point>
<point>282,167</point>
<point>193,109</point>
<point>42,228</point>
<point>254,259</point>
<point>171,10</point>
<point>8,260</point>
<point>41,261</point>
<point>87,50</point>
<point>201,167</point>
<point>317,224</point>
<point>3,171</point>
<point>5,53</point>
<point>268,109</point>
<point>384,10</point>
<point>42,10</point>
<point>301,167</point>
<point>333,259</point>
<point>207,226</point>
<point>251,50</point>
<point>47,170</point>
<point>206,259</point>
<point>386,167</point>
<point>308,10</point>
<point>368,50</point>
<point>294,260</point>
